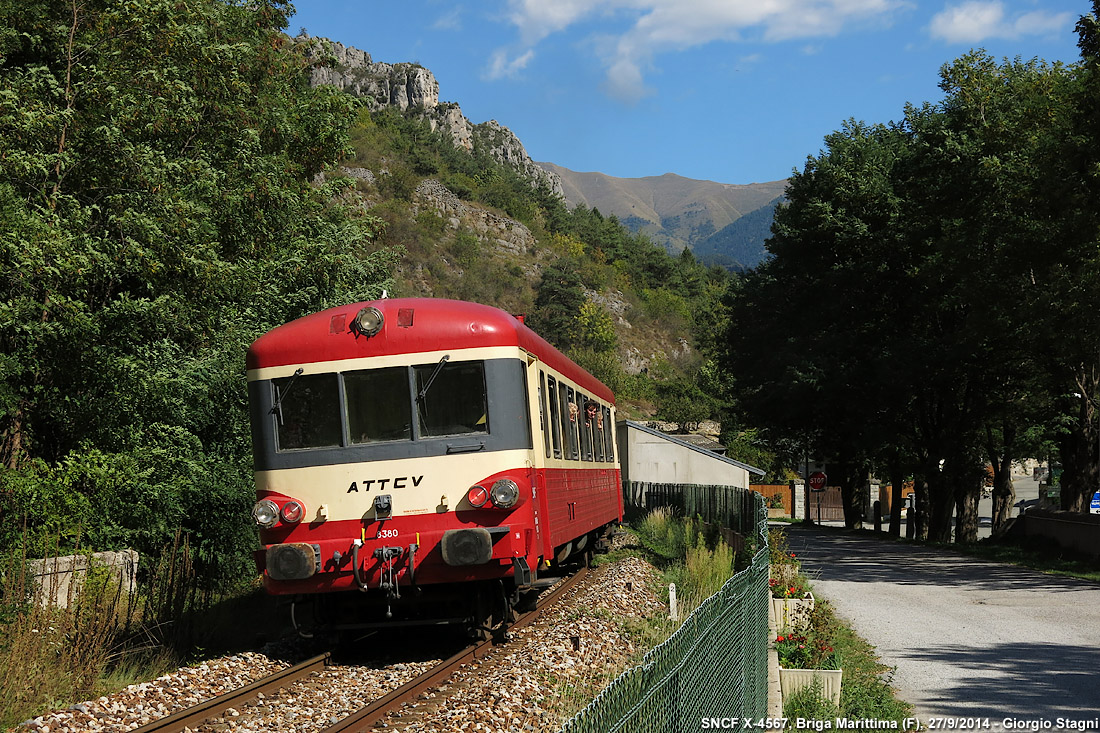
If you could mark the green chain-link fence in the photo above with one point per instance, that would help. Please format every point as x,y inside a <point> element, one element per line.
<point>716,664</point>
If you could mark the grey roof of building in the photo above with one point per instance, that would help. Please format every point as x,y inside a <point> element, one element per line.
<point>703,441</point>
<point>684,443</point>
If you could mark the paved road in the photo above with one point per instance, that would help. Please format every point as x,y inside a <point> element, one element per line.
<point>968,638</point>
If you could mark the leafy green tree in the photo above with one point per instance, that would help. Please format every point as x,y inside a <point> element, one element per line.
<point>558,305</point>
<point>1068,278</point>
<point>824,306</point>
<point>978,181</point>
<point>904,281</point>
<point>158,211</point>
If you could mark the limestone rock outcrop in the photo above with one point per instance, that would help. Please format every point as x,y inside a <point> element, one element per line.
<point>408,86</point>
<point>504,233</point>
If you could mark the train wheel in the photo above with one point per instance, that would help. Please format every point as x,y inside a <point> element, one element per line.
<point>481,614</point>
<point>492,611</point>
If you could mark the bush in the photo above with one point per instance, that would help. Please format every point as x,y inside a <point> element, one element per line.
<point>778,548</point>
<point>398,183</point>
<point>693,555</point>
<point>466,248</point>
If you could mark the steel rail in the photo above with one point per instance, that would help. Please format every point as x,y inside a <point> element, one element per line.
<point>373,712</point>
<point>190,717</point>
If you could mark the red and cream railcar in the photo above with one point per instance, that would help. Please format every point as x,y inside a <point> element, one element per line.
<point>435,454</point>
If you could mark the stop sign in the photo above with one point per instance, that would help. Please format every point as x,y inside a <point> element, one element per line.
<point>817,481</point>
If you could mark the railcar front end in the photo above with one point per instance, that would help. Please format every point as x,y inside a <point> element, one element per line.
<point>395,455</point>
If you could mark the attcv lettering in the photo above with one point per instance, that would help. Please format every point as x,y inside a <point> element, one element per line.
<point>399,482</point>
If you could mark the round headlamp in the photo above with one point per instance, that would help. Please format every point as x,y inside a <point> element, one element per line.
<point>505,493</point>
<point>368,321</point>
<point>266,513</point>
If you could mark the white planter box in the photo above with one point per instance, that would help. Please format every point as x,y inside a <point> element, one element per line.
<point>791,613</point>
<point>793,680</point>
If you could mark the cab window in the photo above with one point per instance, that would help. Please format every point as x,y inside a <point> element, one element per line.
<point>450,399</point>
<point>378,405</point>
<point>307,411</point>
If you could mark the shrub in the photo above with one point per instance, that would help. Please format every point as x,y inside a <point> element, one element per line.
<point>779,549</point>
<point>466,248</point>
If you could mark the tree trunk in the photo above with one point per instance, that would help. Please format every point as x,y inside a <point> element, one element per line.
<point>897,502</point>
<point>11,439</point>
<point>966,511</point>
<point>920,490</point>
<point>1078,446</point>
<point>941,503</point>
<point>853,478</point>
<point>1000,458</point>
<point>1004,493</point>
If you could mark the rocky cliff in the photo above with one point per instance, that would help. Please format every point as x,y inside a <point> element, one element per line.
<point>412,87</point>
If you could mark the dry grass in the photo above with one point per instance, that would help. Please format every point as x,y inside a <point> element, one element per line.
<point>54,653</point>
<point>96,640</point>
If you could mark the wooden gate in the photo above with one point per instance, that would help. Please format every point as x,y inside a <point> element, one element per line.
<point>826,505</point>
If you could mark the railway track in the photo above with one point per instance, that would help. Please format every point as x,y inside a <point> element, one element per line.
<point>369,714</point>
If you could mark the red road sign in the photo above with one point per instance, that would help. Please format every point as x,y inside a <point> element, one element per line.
<point>817,481</point>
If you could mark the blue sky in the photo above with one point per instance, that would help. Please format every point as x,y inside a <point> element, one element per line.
<point>736,91</point>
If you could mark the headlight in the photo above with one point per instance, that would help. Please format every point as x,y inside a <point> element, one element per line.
<point>369,321</point>
<point>292,512</point>
<point>505,493</point>
<point>266,513</point>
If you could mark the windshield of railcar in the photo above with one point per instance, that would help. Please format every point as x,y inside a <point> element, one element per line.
<point>453,403</point>
<point>307,411</point>
<point>377,405</point>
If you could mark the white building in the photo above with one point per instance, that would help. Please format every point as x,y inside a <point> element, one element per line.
<point>650,456</point>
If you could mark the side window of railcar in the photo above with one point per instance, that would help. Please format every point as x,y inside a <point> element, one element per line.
<point>455,402</point>
<point>572,425</point>
<point>307,412</point>
<point>609,435</point>
<point>585,425</point>
<point>598,426</point>
<point>555,416</point>
<point>542,413</point>
<point>378,405</point>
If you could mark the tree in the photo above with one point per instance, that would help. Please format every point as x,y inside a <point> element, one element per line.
<point>1070,278</point>
<point>824,306</point>
<point>903,284</point>
<point>558,305</point>
<point>157,212</point>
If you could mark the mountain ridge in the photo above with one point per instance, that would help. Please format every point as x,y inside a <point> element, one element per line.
<point>676,212</point>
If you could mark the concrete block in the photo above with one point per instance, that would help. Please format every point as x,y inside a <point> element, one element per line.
<point>60,579</point>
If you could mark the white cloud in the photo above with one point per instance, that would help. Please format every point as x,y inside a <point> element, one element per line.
<point>451,21</point>
<point>978,20</point>
<point>661,26</point>
<point>501,66</point>
<point>624,82</point>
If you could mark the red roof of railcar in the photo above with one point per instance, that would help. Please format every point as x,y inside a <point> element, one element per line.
<point>436,325</point>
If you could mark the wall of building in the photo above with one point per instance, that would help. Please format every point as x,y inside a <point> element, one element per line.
<point>647,455</point>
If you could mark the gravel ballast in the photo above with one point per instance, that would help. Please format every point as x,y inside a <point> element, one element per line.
<point>547,671</point>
